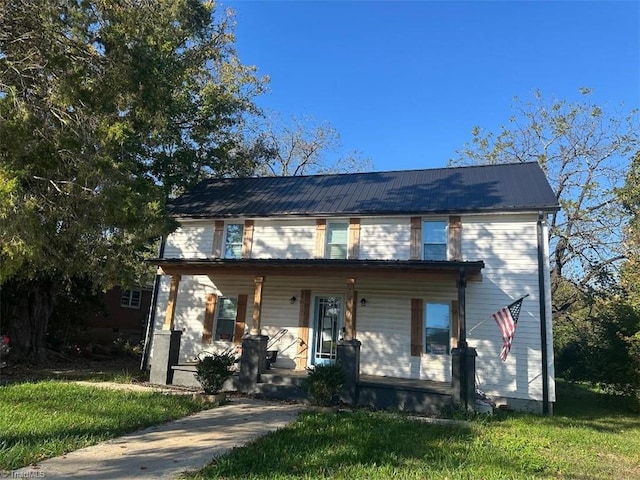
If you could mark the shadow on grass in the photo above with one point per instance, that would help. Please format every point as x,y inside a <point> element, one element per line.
<point>120,370</point>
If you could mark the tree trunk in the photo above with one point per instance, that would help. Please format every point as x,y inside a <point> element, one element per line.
<point>29,307</point>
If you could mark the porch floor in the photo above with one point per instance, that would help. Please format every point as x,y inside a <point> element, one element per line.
<point>442,388</point>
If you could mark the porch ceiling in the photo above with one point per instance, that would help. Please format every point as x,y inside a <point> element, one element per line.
<point>436,270</point>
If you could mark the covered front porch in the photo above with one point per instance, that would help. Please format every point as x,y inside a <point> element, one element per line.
<point>377,388</point>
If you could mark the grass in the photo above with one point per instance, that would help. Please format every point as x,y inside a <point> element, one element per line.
<point>591,436</point>
<point>47,419</point>
<point>123,369</point>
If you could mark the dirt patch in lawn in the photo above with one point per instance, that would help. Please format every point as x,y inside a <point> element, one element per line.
<point>59,367</point>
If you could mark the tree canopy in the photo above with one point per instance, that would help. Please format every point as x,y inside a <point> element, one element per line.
<point>301,146</point>
<point>584,151</point>
<point>107,108</point>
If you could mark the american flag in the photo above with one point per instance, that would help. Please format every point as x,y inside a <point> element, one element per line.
<point>507,319</point>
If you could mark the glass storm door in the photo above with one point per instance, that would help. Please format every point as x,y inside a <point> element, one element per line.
<point>328,320</point>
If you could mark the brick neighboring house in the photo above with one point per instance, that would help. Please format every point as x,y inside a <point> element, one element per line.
<point>125,316</point>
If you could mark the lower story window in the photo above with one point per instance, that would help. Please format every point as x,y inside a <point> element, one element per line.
<point>437,328</point>
<point>226,321</point>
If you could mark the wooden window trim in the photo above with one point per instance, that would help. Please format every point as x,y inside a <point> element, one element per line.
<point>417,327</point>
<point>247,240</point>
<point>416,239</point>
<point>454,243</point>
<point>209,318</point>
<point>218,235</point>
<point>170,314</point>
<point>321,232</point>
<point>241,315</point>
<point>353,251</point>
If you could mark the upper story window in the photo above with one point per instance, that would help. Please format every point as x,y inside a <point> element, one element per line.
<point>233,240</point>
<point>131,298</point>
<point>337,235</point>
<point>434,239</point>
<point>437,323</point>
<point>226,322</point>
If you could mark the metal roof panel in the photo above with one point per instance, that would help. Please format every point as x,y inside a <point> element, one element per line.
<point>488,188</point>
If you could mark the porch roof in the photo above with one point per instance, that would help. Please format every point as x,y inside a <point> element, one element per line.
<point>312,267</point>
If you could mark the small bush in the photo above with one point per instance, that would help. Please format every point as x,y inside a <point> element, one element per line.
<point>323,383</point>
<point>213,370</point>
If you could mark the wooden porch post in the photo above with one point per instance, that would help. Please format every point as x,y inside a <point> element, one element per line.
<point>303,330</point>
<point>171,304</point>
<point>462,318</point>
<point>257,306</point>
<point>350,313</point>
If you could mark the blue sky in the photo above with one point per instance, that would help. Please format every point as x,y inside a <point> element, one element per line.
<point>405,82</point>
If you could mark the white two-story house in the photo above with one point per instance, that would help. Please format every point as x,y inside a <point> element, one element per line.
<point>412,264</point>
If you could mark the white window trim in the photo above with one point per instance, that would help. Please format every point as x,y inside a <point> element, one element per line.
<point>225,243</point>
<point>449,345</point>
<point>446,238</point>
<point>127,301</point>
<point>218,311</point>
<point>329,224</point>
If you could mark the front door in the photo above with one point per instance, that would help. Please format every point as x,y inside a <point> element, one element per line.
<point>327,328</point>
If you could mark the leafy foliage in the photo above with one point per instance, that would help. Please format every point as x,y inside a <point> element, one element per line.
<point>583,151</point>
<point>323,383</point>
<point>213,370</point>
<point>106,110</point>
<point>600,344</point>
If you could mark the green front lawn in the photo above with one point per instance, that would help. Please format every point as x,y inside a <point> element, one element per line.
<point>47,419</point>
<point>592,436</point>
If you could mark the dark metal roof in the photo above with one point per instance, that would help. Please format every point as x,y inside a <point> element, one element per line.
<point>491,188</point>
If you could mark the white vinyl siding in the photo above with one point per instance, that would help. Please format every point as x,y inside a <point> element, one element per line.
<point>385,238</point>
<point>190,241</point>
<point>294,239</point>
<point>508,246</point>
<point>506,243</point>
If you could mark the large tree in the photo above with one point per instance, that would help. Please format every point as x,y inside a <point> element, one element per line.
<point>107,108</point>
<point>300,146</point>
<point>585,153</point>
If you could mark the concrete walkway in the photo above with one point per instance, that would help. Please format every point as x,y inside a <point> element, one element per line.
<point>166,450</point>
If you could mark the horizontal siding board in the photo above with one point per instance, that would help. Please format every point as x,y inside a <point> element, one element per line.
<point>385,238</point>
<point>506,243</point>
<point>293,239</point>
<point>190,241</point>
